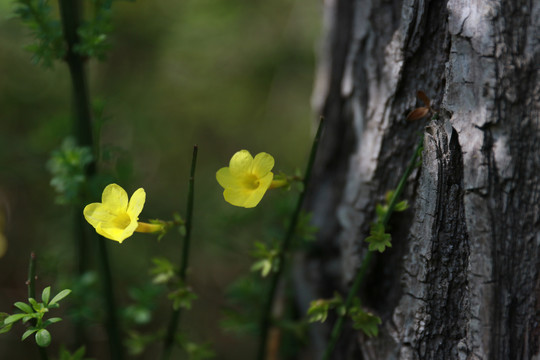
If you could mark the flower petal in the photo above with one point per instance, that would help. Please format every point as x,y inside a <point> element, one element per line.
<point>136,203</point>
<point>227,180</point>
<point>262,164</point>
<point>239,197</point>
<point>241,163</point>
<point>115,197</point>
<point>97,213</point>
<point>265,182</point>
<point>248,198</point>
<point>115,233</point>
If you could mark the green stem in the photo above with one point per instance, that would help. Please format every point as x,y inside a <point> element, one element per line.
<point>366,262</point>
<point>70,12</point>
<point>265,321</point>
<point>31,283</point>
<point>175,317</point>
<point>115,342</point>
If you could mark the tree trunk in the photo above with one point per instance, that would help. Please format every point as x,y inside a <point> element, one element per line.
<point>461,279</point>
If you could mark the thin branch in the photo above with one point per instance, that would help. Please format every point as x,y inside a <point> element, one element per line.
<point>265,321</point>
<point>31,283</point>
<point>366,262</point>
<point>184,262</point>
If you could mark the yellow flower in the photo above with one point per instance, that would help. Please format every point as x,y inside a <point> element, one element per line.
<point>246,179</point>
<point>114,217</point>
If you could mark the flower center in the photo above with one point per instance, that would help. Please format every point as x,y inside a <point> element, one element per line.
<point>121,221</point>
<point>251,182</point>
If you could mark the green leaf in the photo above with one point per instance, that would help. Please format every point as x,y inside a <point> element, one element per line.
<point>163,271</point>
<point>378,240</point>
<point>51,321</point>
<point>388,196</point>
<point>79,353</point>
<point>182,298</point>
<point>62,294</point>
<point>318,310</point>
<point>43,338</point>
<point>64,354</point>
<point>27,333</point>
<point>67,167</point>
<point>264,266</point>
<point>13,318</point>
<point>198,351</point>
<point>46,295</point>
<point>6,328</point>
<point>402,206</point>
<point>34,304</point>
<point>365,321</point>
<point>24,307</point>
<point>381,211</point>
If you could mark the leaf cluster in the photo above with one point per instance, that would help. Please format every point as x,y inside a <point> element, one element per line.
<point>165,273</point>
<point>267,258</point>
<point>49,43</point>
<point>77,355</point>
<point>378,238</point>
<point>35,312</point>
<point>94,33</point>
<point>47,31</point>
<point>318,309</point>
<point>67,166</point>
<point>364,320</point>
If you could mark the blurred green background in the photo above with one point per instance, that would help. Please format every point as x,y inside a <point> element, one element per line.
<point>223,74</point>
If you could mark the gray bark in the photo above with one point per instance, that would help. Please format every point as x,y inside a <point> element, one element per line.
<point>461,280</point>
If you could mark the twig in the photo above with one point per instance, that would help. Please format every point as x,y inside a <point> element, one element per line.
<point>366,262</point>
<point>175,317</point>
<point>31,283</point>
<point>265,320</point>
<point>70,12</point>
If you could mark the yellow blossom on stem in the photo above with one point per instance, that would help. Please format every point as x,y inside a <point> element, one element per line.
<point>115,217</point>
<point>246,179</point>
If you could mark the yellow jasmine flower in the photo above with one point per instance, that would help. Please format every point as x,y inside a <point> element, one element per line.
<point>246,179</point>
<point>115,217</point>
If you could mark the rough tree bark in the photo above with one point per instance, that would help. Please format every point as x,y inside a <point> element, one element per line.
<point>462,278</point>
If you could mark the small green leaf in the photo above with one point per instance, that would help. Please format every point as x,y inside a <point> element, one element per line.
<point>388,196</point>
<point>264,266</point>
<point>402,206</point>
<point>318,310</point>
<point>43,338</point>
<point>62,294</point>
<point>13,318</point>
<point>381,211</point>
<point>79,353</point>
<point>46,295</point>
<point>182,298</point>
<point>27,333</point>
<point>379,240</point>
<point>24,307</point>
<point>6,328</point>
<point>51,321</point>
<point>365,321</point>
<point>34,304</point>
<point>163,271</point>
